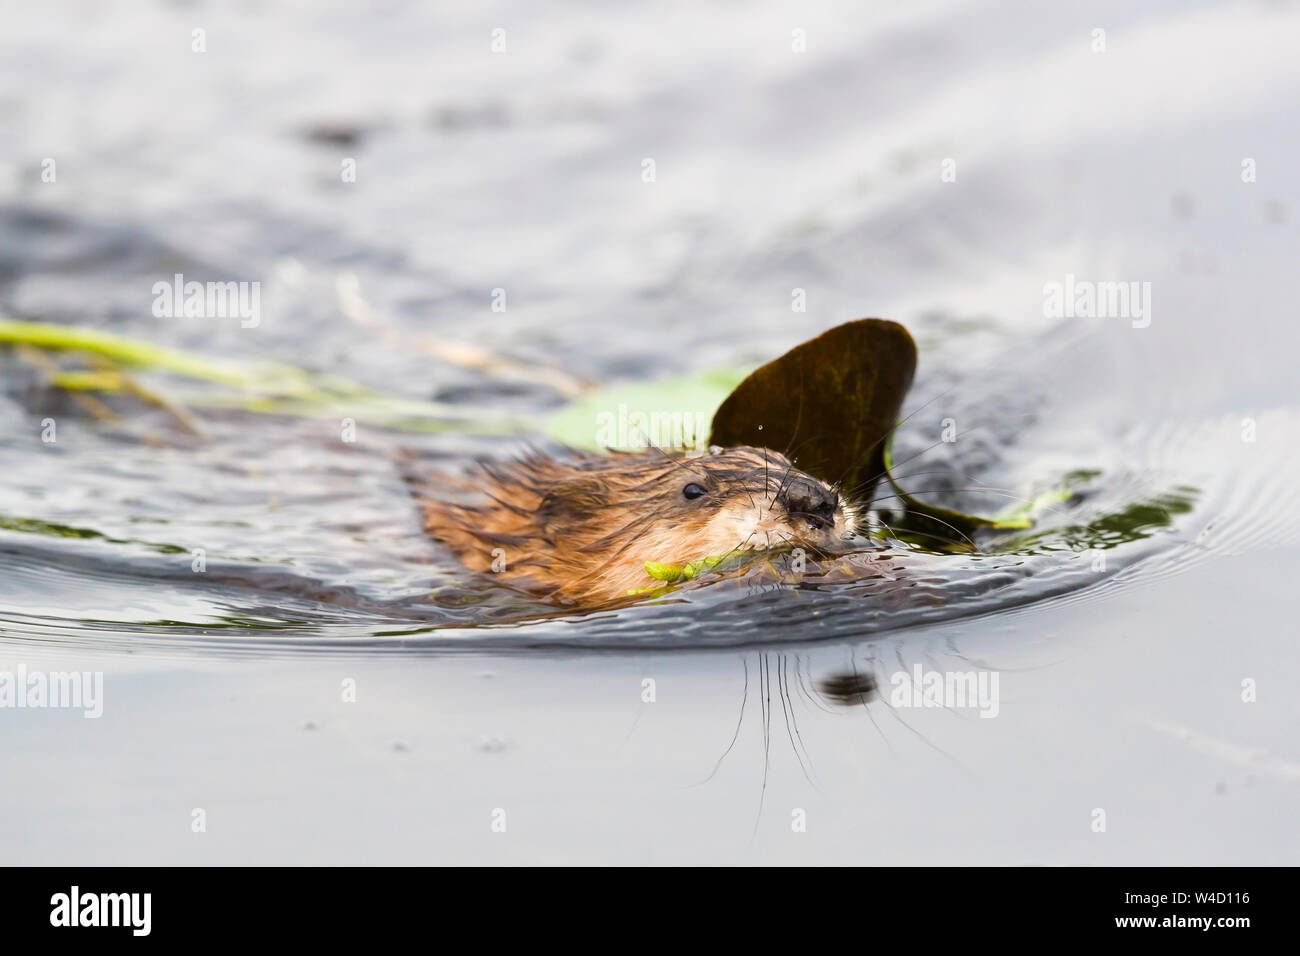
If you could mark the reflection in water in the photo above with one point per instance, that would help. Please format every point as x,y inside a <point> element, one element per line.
<point>784,686</point>
<point>850,689</point>
<point>768,672</point>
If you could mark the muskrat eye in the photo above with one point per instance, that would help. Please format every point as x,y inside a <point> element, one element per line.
<point>693,491</point>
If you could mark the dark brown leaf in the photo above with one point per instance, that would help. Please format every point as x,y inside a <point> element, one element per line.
<point>828,404</point>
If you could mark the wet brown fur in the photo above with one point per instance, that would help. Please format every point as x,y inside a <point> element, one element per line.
<point>579,530</point>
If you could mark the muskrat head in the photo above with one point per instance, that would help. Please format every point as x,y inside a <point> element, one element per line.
<point>748,498</point>
<point>586,526</point>
<point>672,509</point>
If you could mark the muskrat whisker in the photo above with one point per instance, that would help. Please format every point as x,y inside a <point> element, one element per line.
<point>919,533</point>
<point>738,548</point>
<point>871,450</point>
<point>785,712</point>
<point>937,471</point>
<point>744,699</point>
<point>765,698</point>
<point>776,495</point>
<point>896,465</point>
<point>894,428</point>
<point>927,741</point>
<point>863,700</point>
<point>975,487</point>
<point>955,491</point>
<point>804,680</point>
<point>978,485</point>
<point>926,534</point>
<point>793,719</point>
<point>966,538</point>
<point>899,464</point>
<point>815,520</point>
<point>790,453</point>
<point>817,551</point>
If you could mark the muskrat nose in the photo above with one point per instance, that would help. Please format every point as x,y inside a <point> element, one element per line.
<point>811,499</point>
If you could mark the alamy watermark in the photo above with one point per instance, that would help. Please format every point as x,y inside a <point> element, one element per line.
<point>1085,299</point>
<point>129,910</point>
<point>639,429</point>
<point>954,690</point>
<point>64,690</point>
<point>208,300</point>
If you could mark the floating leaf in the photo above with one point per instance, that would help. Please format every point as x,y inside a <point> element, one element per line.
<point>830,403</point>
<point>672,413</point>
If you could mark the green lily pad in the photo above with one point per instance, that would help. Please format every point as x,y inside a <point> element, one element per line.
<point>626,416</point>
<point>829,404</point>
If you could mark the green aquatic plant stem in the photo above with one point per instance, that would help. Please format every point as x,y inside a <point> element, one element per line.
<point>1017,517</point>
<point>121,349</point>
<point>267,388</point>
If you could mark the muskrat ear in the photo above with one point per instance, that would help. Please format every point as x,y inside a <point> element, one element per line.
<point>572,504</point>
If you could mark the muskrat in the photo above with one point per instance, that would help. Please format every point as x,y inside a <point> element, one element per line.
<point>580,529</point>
